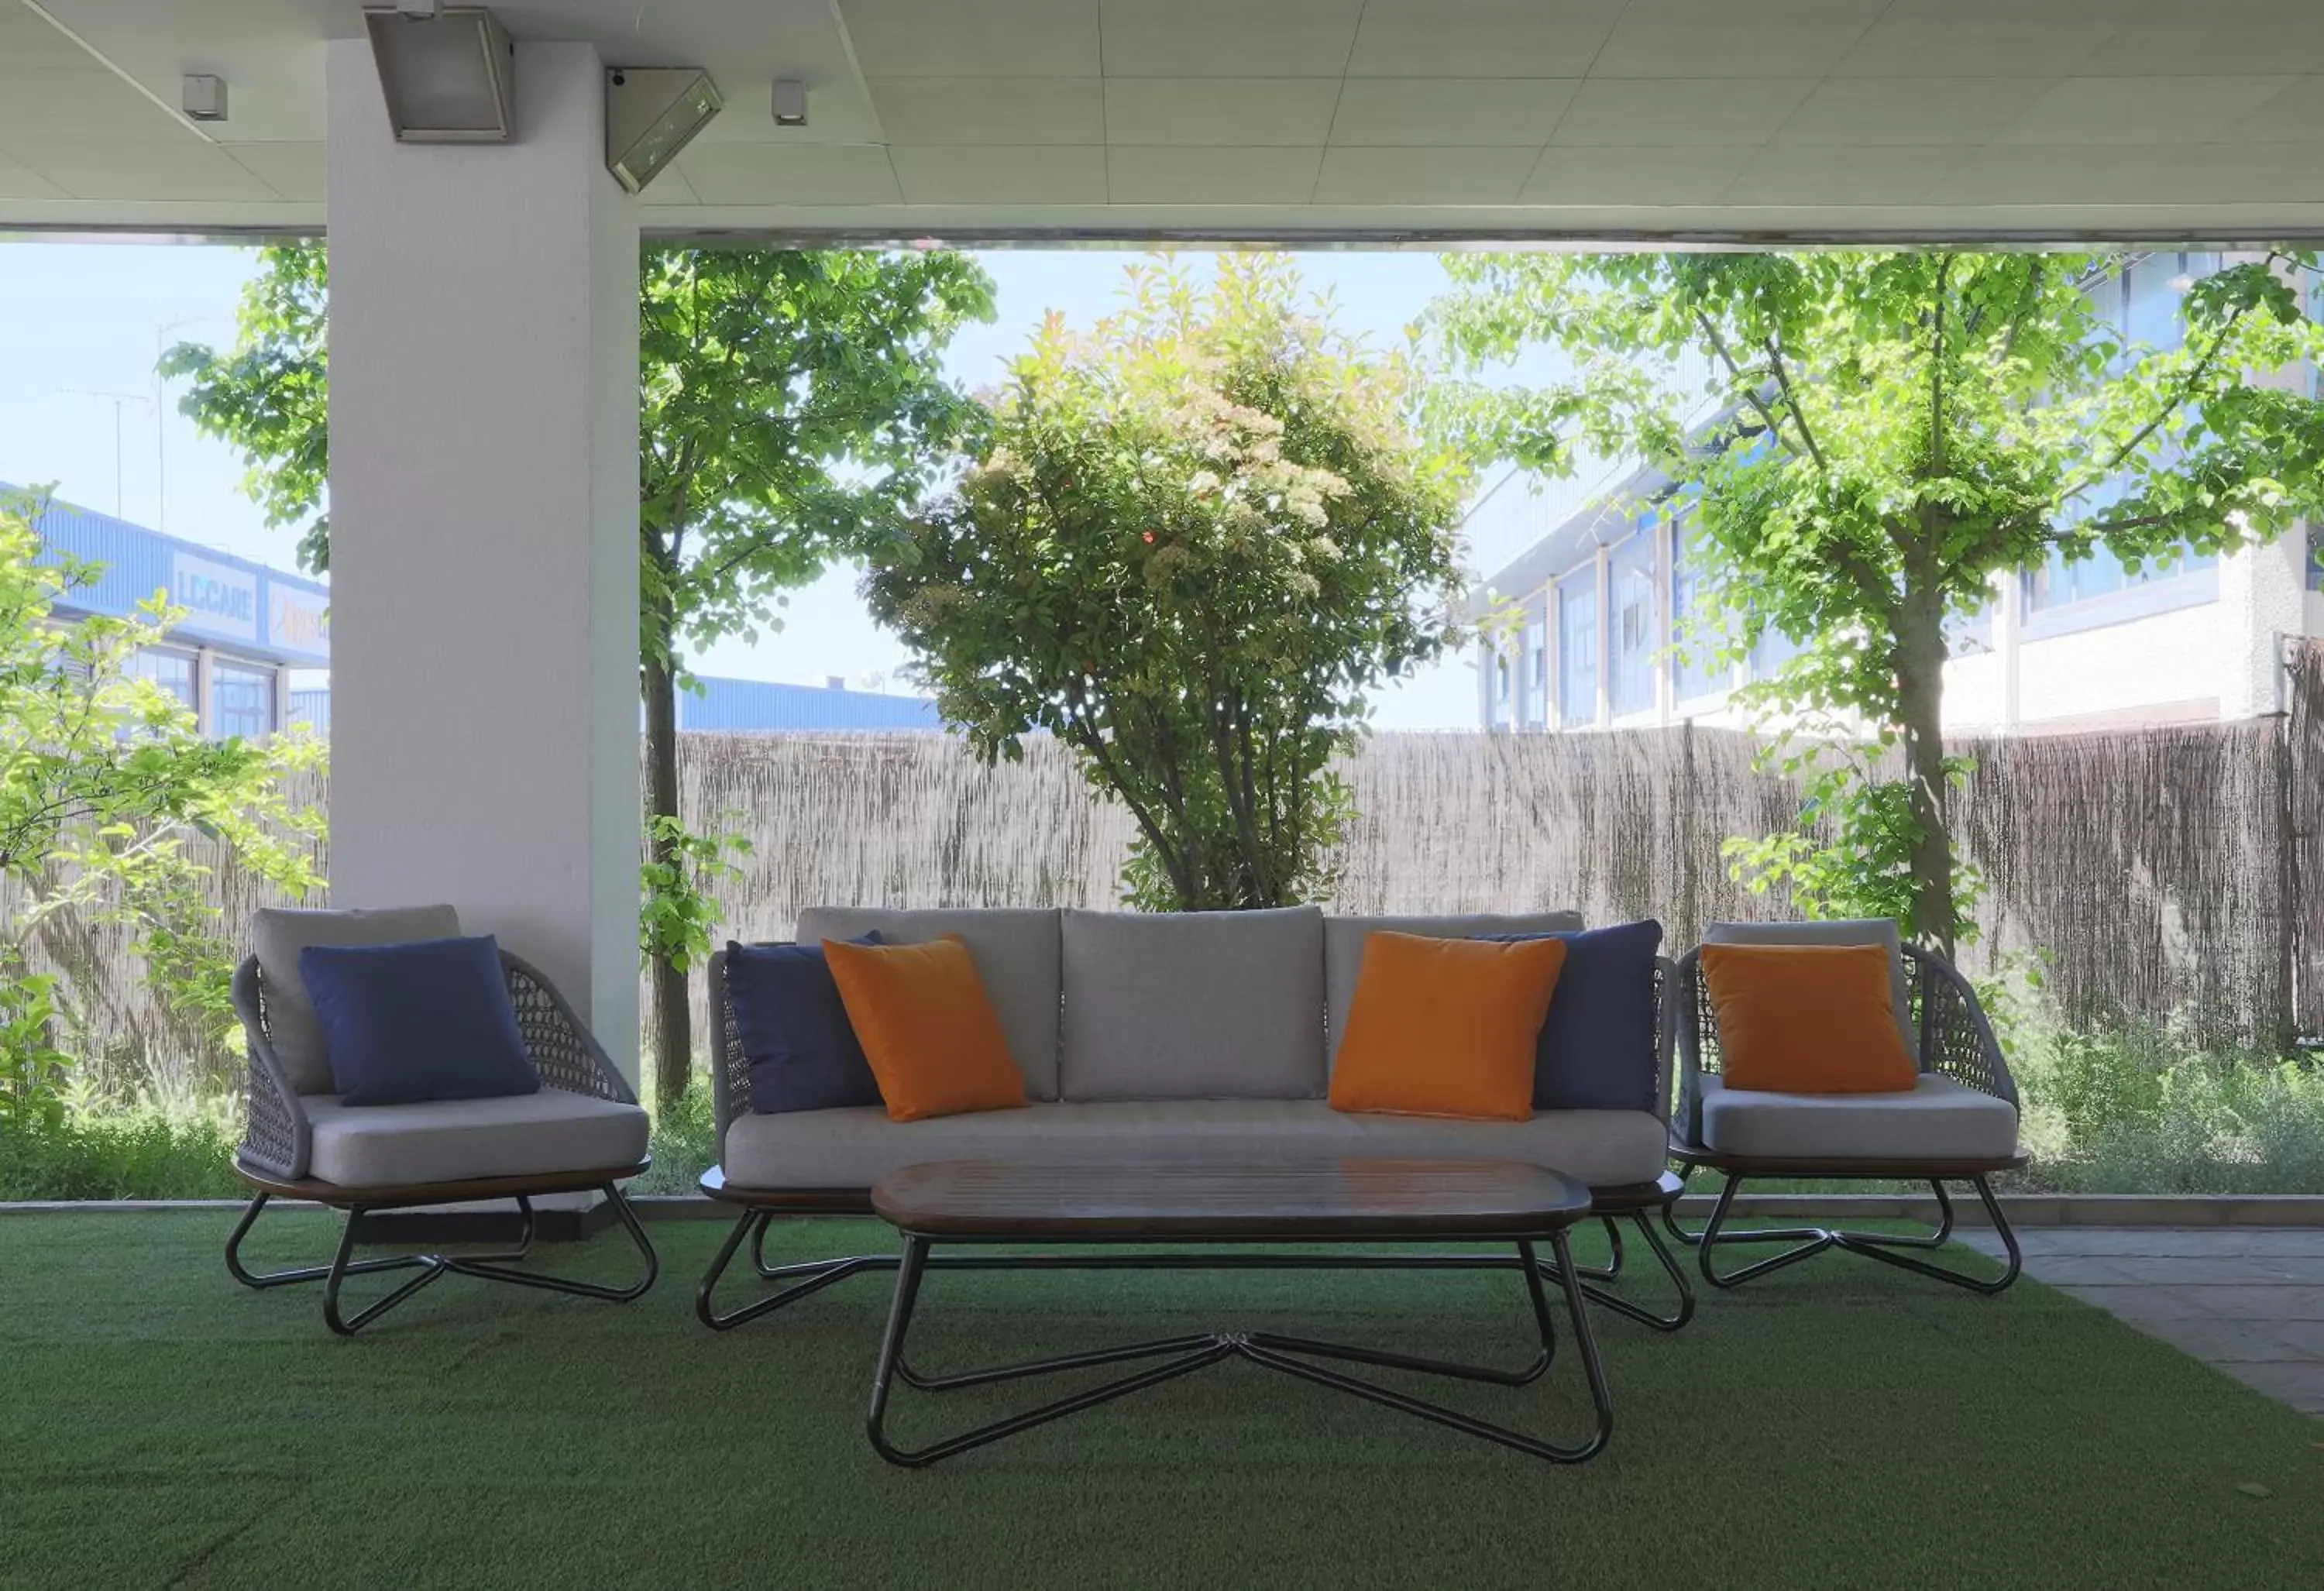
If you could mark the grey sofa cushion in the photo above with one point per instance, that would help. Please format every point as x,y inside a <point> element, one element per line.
<point>1016,956</point>
<point>1880,930</point>
<point>856,1146</point>
<point>1343,948</point>
<point>1939,1119</point>
<point>453,1140</point>
<point>1193,1005</point>
<point>277,935</point>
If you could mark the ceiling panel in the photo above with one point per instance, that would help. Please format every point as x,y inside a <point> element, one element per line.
<point>1681,110</point>
<point>1843,174</point>
<point>987,39</point>
<point>1450,110</point>
<point>670,190</point>
<point>1227,37</point>
<point>1733,37</point>
<point>1973,38</point>
<point>1421,176</point>
<point>1000,174</point>
<point>1635,175</point>
<point>1480,38</point>
<point>1181,175</point>
<point>1220,110</point>
<point>990,110</point>
<point>294,170</point>
<point>2141,110</point>
<point>2215,36</point>
<point>2296,113</point>
<point>790,174</point>
<point>22,183</point>
<point>1907,111</point>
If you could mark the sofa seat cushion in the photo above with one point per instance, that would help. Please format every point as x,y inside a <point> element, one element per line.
<point>1343,949</point>
<point>1016,956</point>
<point>452,1141</point>
<point>1939,1119</point>
<point>855,1147</point>
<point>1193,1005</point>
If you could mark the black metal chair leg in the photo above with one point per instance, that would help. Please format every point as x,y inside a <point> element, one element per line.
<point>490,1267</point>
<point>1606,1298</point>
<point>1810,1240</point>
<point>495,1268</point>
<point>347,1325</point>
<point>265,1279</point>
<point>811,1275</point>
<point>1882,1248</point>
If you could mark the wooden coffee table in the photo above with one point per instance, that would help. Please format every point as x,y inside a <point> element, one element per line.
<point>1210,1208</point>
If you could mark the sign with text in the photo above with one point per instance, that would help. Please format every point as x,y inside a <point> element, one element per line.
<point>297,620</point>
<point>216,597</point>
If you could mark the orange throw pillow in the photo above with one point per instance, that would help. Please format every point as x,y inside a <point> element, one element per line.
<point>1807,1020</point>
<point>1446,1026</point>
<point>921,1015</point>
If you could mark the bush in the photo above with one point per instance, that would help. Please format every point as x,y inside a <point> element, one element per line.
<point>139,1151</point>
<point>685,1141</point>
<point>2144,1109</point>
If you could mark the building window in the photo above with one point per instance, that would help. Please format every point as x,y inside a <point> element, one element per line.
<point>1498,661</point>
<point>242,701</point>
<point>1577,647</point>
<point>1536,669</point>
<point>1637,638</point>
<point>168,667</point>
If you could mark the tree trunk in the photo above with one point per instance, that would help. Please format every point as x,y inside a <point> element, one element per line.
<point>673,1022</point>
<point>1920,693</point>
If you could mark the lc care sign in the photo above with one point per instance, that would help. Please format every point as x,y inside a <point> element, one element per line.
<point>216,597</point>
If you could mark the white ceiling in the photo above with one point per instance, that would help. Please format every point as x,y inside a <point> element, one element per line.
<point>1123,118</point>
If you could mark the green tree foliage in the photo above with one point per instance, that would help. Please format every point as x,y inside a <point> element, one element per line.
<point>791,405</point>
<point>1195,538</point>
<point>1891,431</point>
<point>103,780</point>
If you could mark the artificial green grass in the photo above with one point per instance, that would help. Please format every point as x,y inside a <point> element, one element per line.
<point>1834,1425</point>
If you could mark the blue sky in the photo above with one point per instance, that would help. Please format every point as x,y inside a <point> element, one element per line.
<point>80,324</point>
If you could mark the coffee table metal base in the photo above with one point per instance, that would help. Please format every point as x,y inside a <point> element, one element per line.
<point>1293,1356</point>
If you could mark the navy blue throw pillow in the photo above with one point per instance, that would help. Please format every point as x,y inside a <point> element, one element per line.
<point>1597,1050</point>
<point>794,1027</point>
<point>427,1020</point>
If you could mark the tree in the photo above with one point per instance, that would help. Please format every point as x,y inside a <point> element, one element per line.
<point>791,404</point>
<point>1193,539</point>
<point>1890,432</point>
<point>103,778</point>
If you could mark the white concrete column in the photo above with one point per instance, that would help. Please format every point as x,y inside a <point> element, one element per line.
<point>483,527</point>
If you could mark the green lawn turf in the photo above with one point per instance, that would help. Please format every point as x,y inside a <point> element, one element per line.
<point>1837,1424</point>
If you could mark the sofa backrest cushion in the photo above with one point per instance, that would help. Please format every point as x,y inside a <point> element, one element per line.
<point>1193,1005</point>
<point>1016,956</point>
<point>277,935</point>
<point>1879,931</point>
<point>1343,948</point>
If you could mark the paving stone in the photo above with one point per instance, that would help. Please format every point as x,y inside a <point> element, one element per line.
<point>2299,1384</point>
<point>2140,1304</point>
<point>2284,1303</point>
<point>2231,1270</point>
<point>2228,1343</point>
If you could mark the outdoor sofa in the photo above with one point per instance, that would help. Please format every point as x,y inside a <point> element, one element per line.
<point>1167,1037</point>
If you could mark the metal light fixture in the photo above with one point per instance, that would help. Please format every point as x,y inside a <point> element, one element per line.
<point>651,113</point>
<point>203,98</point>
<point>446,71</point>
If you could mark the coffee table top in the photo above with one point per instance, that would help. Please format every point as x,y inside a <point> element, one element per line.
<point>1352,1199</point>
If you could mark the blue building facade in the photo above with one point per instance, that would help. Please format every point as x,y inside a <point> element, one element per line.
<point>249,652</point>
<point>243,629</point>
